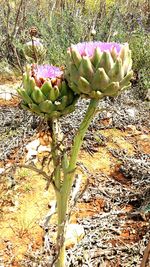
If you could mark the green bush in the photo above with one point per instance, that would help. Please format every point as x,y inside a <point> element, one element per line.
<point>131,28</point>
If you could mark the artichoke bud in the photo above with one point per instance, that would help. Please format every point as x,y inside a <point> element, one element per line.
<point>37,95</point>
<point>84,85</point>
<point>130,65</point>
<point>76,57</point>
<point>68,58</point>
<point>100,80</point>
<point>28,70</point>
<point>56,91</point>
<point>45,92</point>
<point>96,57</point>
<point>34,49</point>
<point>102,70</point>
<point>86,69</point>
<point>26,83</point>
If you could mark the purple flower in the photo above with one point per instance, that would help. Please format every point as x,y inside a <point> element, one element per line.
<point>97,69</point>
<point>88,48</point>
<point>45,72</point>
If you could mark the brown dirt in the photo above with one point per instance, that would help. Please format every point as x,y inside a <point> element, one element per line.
<point>9,80</point>
<point>83,210</point>
<point>9,103</point>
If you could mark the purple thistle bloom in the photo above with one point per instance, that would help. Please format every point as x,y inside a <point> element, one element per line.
<point>41,73</point>
<point>47,71</point>
<point>97,69</point>
<point>88,48</point>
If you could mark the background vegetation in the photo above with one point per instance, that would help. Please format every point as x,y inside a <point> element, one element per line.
<point>62,22</point>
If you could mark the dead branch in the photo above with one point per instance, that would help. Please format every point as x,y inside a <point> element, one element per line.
<point>16,20</point>
<point>33,168</point>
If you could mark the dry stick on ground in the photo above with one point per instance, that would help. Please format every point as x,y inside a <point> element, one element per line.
<point>146,255</point>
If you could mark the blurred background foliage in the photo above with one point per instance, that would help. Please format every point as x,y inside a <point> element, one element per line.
<point>62,22</point>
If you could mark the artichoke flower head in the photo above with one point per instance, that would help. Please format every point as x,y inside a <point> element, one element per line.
<point>97,69</point>
<point>45,92</point>
<point>34,50</point>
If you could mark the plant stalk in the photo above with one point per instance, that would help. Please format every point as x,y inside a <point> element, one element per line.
<point>54,124</point>
<point>64,188</point>
<point>68,179</point>
<point>78,139</point>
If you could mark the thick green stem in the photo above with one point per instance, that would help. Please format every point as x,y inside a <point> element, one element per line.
<point>55,152</point>
<point>63,194</point>
<point>57,180</point>
<point>78,139</point>
<point>60,233</point>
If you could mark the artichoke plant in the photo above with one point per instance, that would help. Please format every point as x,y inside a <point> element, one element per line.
<point>93,70</point>
<point>97,69</point>
<point>34,49</point>
<point>45,92</point>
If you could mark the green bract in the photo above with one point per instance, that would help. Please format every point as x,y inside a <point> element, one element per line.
<point>98,69</point>
<point>46,93</point>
